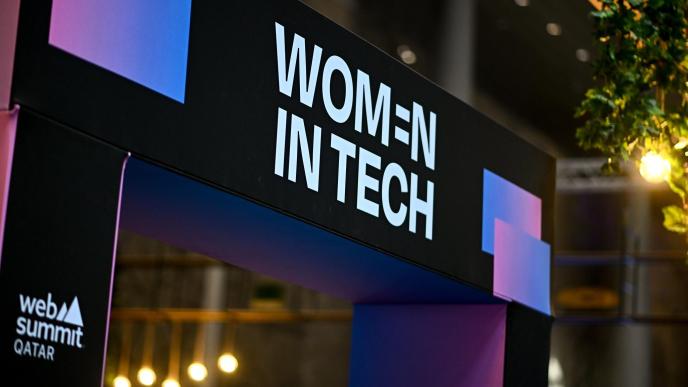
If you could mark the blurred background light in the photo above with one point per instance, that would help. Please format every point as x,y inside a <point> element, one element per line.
<point>121,381</point>
<point>227,363</point>
<point>170,383</point>
<point>654,168</point>
<point>553,29</point>
<point>146,376</point>
<point>406,54</point>
<point>197,371</point>
<point>582,55</point>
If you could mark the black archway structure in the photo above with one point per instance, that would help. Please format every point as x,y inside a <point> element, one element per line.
<point>267,136</point>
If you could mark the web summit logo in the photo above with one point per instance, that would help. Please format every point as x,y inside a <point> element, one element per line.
<point>41,320</point>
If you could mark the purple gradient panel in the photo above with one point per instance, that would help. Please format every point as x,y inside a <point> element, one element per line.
<point>188,214</point>
<point>504,200</point>
<point>521,267</point>
<point>8,130</point>
<point>9,17</point>
<point>428,345</point>
<point>145,41</point>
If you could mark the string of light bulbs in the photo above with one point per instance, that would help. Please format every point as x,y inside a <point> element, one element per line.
<point>197,371</point>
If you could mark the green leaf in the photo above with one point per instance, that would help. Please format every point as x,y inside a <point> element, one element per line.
<point>675,219</point>
<point>640,99</point>
<point>603,13</point>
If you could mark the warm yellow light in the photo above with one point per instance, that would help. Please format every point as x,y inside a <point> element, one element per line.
<point>197,371</point>
<point>146,376</point>
<point>169,382</point>
<point>654,168</point>
<point>227,363</point>
<point>121,381</point>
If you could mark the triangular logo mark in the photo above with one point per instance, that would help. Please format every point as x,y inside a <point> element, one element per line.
<point>62,313</point>
<point>74,314</point>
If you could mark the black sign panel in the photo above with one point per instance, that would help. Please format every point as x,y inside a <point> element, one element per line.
<point>288,109</point>
<point>57,255</point>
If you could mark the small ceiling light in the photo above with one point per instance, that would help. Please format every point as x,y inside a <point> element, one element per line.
<point>522,3</point>
<point>582,55</point>
<point>121,381</point>
<point>555,373</point>
<point>197,371</point>
<point>146,376</point>
<point>227,363</point>
<point>173,365</point>
<point>654,168</point>
<point>406,54</point>
<point>553,29</point>
<point>170,383</point>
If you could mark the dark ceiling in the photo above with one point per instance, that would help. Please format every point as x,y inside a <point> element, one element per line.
<point>530,73</point>
<point>535,74</point>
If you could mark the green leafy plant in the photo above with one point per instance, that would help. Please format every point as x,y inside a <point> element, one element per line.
<point>638,110</point>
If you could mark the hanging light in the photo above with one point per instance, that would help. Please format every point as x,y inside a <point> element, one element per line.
<point>197,370</point>
<point>172,379</point>
<point>121,380</point>
<point>170,383</point>
<point>146,375</point>
<point>227,362</point>
<point>654,168</point>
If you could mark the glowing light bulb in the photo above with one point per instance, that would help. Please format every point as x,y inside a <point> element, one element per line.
<point>146,376</point>
<point>654,168</point>
<point>227,363</point>
<point>169,382</point>
<point>121,381</point>
<point>197,371</point>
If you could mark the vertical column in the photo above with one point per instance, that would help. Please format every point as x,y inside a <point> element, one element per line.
<point>8,126</point>
<point>9,17</point>
<point>526,356</point>
<point>58,255</point>
<point>457,66</point>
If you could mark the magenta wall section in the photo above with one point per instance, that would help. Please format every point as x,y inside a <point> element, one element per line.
<point>9,17</point>
<point>428,345</point>
<point>8,129</point>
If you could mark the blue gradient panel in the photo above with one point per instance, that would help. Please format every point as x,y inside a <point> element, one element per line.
<point>511,233</point>
<point>145,41</point>
<point>521,267</point>
<point>505,200</point>
<point>428,345</point>
<point>188,214</point>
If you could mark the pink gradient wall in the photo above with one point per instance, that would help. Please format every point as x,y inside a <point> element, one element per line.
<point>428,345</point>
<point>9,16</point>
<point>8,129</point>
